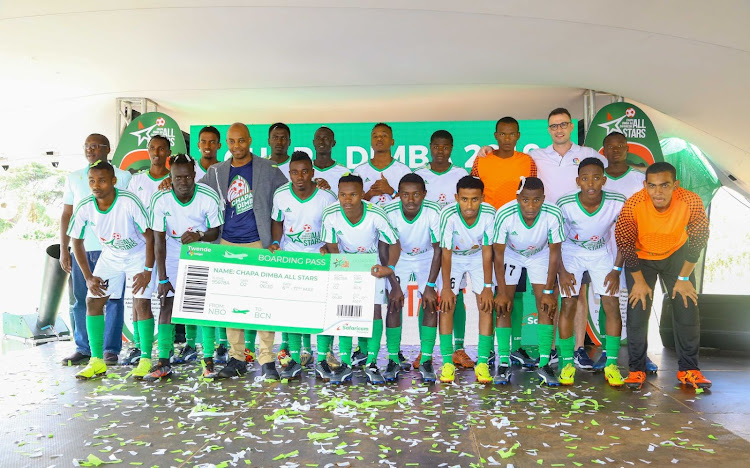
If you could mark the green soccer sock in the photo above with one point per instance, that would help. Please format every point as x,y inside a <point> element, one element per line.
<point>295,345</point>
<point>459,321</point>
<point>374,342</point>
<point>323,343</point>
<point>421,320</point>
<point>363,344</point>
<point>516,318</point>
<point>427,343</point>
<point>146,328</point>
<point>484,348</point>
<point>284,341</point>
<point>393,342</point>
<point>165,340</point>
<point>250,339</point>
<point>307,341</point>
<point>174,336</point>
<point>446,347</point>
<point>565,349</point>
<point>191,333</point>
<point>136,337</point>
<point>345,349</point>
<point>544,336</point>
<point>221,337</point>
<point>503,345</point>
<point>208,336</point>
<point>95,329</point>
<point>612,347</point>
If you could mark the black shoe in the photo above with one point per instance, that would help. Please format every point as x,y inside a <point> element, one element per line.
<point>269,372</point>
<point>403,363</point>
<point>110,359</point>
<point>391,371</point>
<point>491,361</point>
<point>323,370</point>
<point>131,358</point>
<point>358,358</point>
<point>293,369</point>
<point>373,374</point>
<point>76,359</point>
<point>234,368</point>
<point>342,374</point>
<point>221,355</point>
<point>427,372</point>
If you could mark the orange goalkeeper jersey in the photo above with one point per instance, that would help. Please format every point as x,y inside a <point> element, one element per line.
<point>502,175</point>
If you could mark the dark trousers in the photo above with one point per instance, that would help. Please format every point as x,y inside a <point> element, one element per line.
<point>685,320</point>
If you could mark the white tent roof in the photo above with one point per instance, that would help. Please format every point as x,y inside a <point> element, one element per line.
<point>687,62</point>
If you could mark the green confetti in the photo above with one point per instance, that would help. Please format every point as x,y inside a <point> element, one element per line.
<point>509,452</point>
<point>594,423</point>
<point>287,455</point>
<point>710,436</point>
<point>321,436</point>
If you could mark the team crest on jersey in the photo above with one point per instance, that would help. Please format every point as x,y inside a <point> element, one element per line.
<point>118,243</point>
<point>442,198</point>
<point>239,195</point>
<point>361,249</point>
<point>576,161</point>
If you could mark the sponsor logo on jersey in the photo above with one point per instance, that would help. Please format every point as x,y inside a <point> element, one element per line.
<point>167,213</point>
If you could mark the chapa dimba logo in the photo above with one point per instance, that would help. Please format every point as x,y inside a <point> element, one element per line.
<point>132,150</point>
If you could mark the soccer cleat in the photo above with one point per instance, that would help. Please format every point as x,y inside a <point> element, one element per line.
<point>417,361</point>
<point>427,372</point>
<point>403,362</point>
<point>482,371</point>
<point>187,354</point>
<point>448,373</point>
<point>291,370</point>
<point>77,359</point>
<point>269,372</point>
<point>281,355</point>
<point>635,380</point>
<point>502,377</point>
<point>651,368</point>
<point>548,376</point>
<point>111,359</point>
<point>373,374</point>
<point>160,371</point>
<point>553,358</point>
<point>391,371</point>
<point>600,363</point>
<point>221,355</point>
<point>342,374</point>
<point>358,357</point>
<point>323,370</point>
<point>613,376</point>
<point>234,368</point>
<point>332,362</point>
<point>95,368</point>
<point>582,359</point>
<point>694,378</point>
<point>249,356</point>
<point>142,369</point>
<point>567,375</point>
<point>131,358</point>
<point>521,358</point>
<point>208,369</point>
<point>491,360</point>
<point>461,359</point>
<point>305,358</point>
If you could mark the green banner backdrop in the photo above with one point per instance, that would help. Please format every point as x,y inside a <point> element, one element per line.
<point>132,150</point>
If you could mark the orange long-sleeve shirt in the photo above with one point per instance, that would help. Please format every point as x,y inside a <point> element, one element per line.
<point>502,175</point>
<point>644,233</point>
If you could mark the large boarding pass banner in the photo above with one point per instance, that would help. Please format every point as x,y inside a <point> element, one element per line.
<point>240,287</point>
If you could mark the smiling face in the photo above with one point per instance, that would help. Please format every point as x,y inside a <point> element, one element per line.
<point>208,144</point>
<point>560,135</point>
<point>158,152</point>
<point>591,179</point>
<point>96,149</point>
<point>238,141</point>
<point>323,141</point>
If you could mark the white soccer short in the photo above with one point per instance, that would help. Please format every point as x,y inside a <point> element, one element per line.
<point>172,266</point>
<point>381,292</point>
<point>536,266</point>
<point>598,263</point>
<point>418,269</point>
<point>115,271</point>
<point>470,266</point>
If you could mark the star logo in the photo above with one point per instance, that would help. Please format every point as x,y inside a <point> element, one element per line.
<point>143,135</point>
<point>612,125</point>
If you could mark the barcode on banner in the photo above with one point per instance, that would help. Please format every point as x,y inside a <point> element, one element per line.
<point>349,311</point>
<point>196,280</point>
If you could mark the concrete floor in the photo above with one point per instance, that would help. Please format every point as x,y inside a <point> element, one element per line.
<point>51,419</point>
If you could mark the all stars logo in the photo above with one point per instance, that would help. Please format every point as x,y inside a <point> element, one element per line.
<point>626,118</point>
<point>132,150</point>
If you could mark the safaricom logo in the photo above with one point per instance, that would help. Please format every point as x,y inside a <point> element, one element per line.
<point>354,328</point>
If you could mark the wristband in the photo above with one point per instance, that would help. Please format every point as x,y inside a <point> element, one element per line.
<point>548,291</point>
<point>275,242</point>
<point>431,285</point>
<point>392,268</point>
<point>616,268</point>
<point>147,269</point>
<point>683,278</point>
<point>488,285</point>
<point>164,281</point>
<point>394,194</point>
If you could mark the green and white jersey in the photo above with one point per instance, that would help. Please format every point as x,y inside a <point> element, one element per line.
<point>144,187</point>
<point>525,240</point>
<point>441,186</point>
<point>171,216</point>
<point>303,219</point>
<point>462,239</point>
<point>584,231</point>
<point>393,173</point>
<point>284,167</point>
<point>331,174</point>
<point>418,235</point>
<point>200,171</point>
<point>361,237</point>
<point>120,229</point>
<point>627,184</point>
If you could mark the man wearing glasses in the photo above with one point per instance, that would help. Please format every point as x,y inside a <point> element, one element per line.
<point>96,148</point>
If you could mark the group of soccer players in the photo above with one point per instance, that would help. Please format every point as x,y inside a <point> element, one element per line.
<point>546,218</point>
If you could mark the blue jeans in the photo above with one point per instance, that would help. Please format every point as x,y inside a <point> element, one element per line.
<point>114,313</point>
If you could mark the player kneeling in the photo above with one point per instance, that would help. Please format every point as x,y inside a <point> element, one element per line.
<point>528,233</point>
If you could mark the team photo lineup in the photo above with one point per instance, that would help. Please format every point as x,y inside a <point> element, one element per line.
<point>550,224</point>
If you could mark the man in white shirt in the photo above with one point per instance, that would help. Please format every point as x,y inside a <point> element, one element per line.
<point>382,173</point>
<point>209,143</point>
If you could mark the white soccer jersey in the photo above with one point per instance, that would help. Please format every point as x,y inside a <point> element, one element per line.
<point>171,216</point>
<point>464,240</point>
<point>586,232</point>
<point>120,229</point>
<point>525,240</point>
<point>284,167</point>
<point>200,171</point>
<point>559,172</point>
<point>441,186</point>
<point>331,174</point>
<point>393,173</point>
<point>418,235</point>
<point>302,218</point>
<point>144,187</point>
<point>627,184</point>
<point>361,237</point>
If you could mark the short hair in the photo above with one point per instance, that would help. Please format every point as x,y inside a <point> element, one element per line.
<point>300,156</point>
<point>559,111</point>
<point>659,167</point>
<point>412,178</point>
<point>442,134</point>
<point>210,129</point>
<point>470,182</point>
<point>604,141</point>
<point>281,126</point>
<point>99,135</point>
<point>531,183</point>
<point>352,178</point>
<point>382,124</point>
<point>590,162</point>
<point>507,120</point>
<point>181,158</point>
<point>102,166</point>
<point>323,127</point>
<point>161,137</point>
